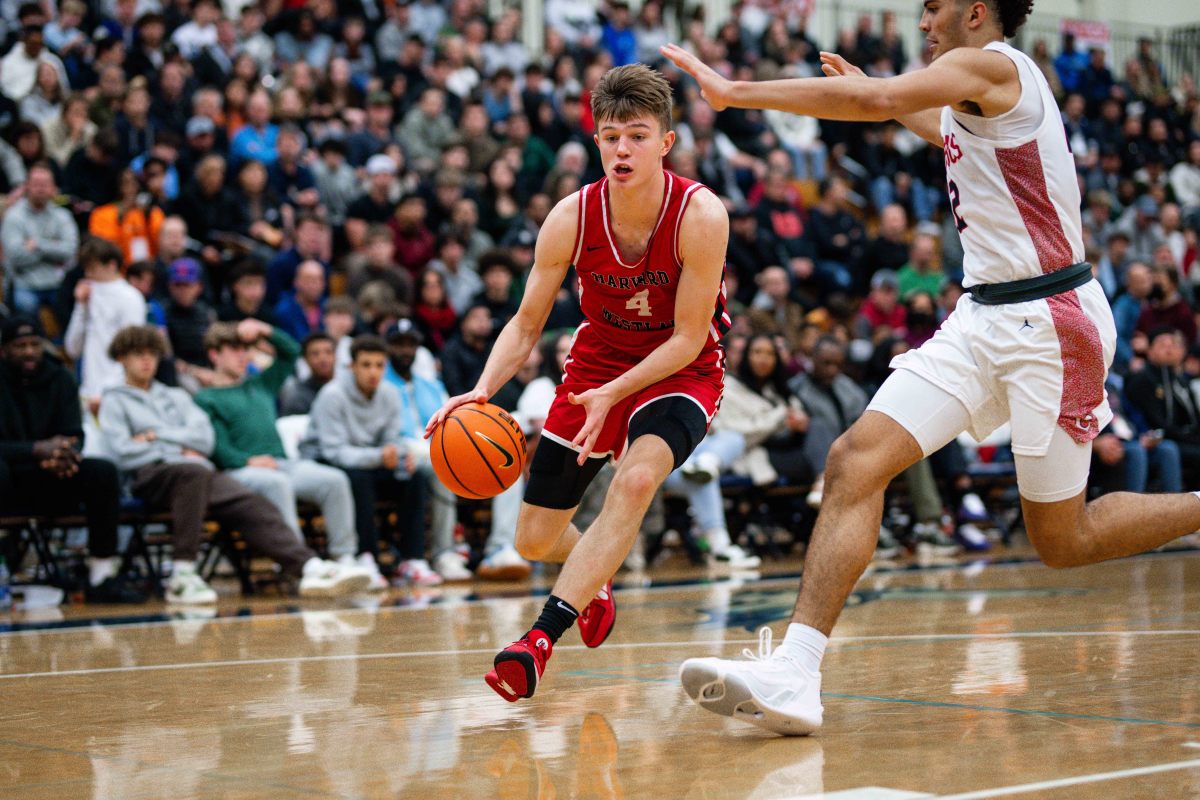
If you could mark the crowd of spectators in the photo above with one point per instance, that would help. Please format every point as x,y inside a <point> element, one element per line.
<point>284,208</point>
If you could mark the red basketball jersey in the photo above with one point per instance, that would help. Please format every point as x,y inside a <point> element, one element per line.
<point>632,306</point>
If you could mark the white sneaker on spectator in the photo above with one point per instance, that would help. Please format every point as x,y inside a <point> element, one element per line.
<point>417,572</point>
<point>366,561</point>
<point>322,578</point>
<point>186,587</point>
<point>702,469</point>
<point>505,564</point>
<point>451,566</point>
<point>735,557</point>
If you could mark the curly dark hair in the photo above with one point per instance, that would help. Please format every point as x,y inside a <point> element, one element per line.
<point>1012,13</point>
<point>137,339</point>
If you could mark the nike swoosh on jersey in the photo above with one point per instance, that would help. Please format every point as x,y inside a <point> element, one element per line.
<point>508,458</point>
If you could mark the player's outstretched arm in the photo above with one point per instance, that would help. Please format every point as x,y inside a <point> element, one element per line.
<point>551,260</point>
<point>965,74</point>
<point>927,124</point>
<point>703,236</point>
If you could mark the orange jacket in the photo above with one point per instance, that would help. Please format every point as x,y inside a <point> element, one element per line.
<point>136,233</point>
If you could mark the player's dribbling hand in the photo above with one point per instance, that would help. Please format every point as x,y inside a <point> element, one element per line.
<point>473,396</point>
<point>713,87</point>
<point>835,66</point>
<point>597,403</point>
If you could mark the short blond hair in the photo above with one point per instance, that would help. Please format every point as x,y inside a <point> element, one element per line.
<point>631,91</point>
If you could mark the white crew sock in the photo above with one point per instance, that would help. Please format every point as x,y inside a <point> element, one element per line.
<point>805,645</point>
<point>101,569</point>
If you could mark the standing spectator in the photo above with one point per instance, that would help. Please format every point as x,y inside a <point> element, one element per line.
<point>297,395</point>
<point>301,311</point>
<point>161,440</point>
<point>39,241</point>
<point>41,468</point>
<point>355,425</point>
<point>242,410</point>
<point>104,304</point>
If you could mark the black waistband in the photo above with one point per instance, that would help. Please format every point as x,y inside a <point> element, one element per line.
<point>1052,283</point>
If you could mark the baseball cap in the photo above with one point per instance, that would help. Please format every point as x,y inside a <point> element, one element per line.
<point>1147,205</point>
<point>199,126</point>
<point>19,327</point>
<point>381,164</point>
<point>404,329</point>
<point>522,237</point>
<point>185,270</point>
<point>885,277</point>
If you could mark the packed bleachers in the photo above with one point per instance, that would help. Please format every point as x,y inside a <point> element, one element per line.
<point>322,211</point>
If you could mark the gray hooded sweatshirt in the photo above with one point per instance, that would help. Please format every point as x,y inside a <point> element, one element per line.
<point>176,420</point>
<point>348,429</point>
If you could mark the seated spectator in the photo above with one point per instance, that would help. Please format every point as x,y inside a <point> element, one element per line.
<point>432,312</point>
<point>1161,393</point>
<point>302,310</point>
<point>69,131</point>
<point>247,294</point>
<point>920,318</point>
<point>1140,224</point>
<point>162,440</point>
<point>837,236</point>
<point>1167,308</point>
<point>464,356</point>
<point>459,277</point>
<point>888,250</point>
<point>289,177</point>
<point>311,244</point>
<point>415,242</point>
<point>773,310</point>
<point>261,207</point>
<point>130,223</point>
<point>242,410</point>
<point>335,181</point>
<point>211,209</point>
<point>498,272</point>
<point>188,318</point>
<point>39,240</point>
<point>297,395</point>
<point>258,139</point>
<point>1121,457</point>
<point>1127,312</point>
<point>90,177</point>
<point>41,467</point>
<point>427,129</point>
<point>750,248</point>
<point>104,304</point>
<point>355,425</point>
<point>921,273</point>
<point>377,262</point>
<point>173,244</point>
<point>375,206</point>
<point>882,316</point>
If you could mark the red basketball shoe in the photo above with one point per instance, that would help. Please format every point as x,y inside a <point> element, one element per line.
<point>596,621</point>
<point>519,666</point>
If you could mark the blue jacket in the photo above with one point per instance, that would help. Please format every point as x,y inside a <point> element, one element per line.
<point>420,398</point>
<point>290,317</point>
<point>1126,310</point>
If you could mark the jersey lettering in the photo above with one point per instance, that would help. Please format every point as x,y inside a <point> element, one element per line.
<point>640,302</point>
<point>950,147</point>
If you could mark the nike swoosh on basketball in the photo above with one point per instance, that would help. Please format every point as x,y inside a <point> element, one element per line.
<point>508,458</point>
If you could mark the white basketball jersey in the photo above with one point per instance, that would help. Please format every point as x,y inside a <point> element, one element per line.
<point>1014,197</point>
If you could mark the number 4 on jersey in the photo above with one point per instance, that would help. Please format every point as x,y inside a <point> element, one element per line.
<point>640,302</point>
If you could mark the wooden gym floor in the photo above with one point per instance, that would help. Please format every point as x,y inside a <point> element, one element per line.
<point>968,680</point>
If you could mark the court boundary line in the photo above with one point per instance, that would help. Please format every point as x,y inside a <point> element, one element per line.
<point>610,646</point>
<point>1076,780</point>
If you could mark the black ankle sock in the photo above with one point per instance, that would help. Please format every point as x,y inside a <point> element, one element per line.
<point>557,616</point>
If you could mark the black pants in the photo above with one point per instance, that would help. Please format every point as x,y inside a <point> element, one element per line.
<point>96,487</point>
<point>410,495</point>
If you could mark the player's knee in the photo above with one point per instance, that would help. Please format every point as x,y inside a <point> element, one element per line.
<point>532,545</point>
<point>637,482</point>
<point>851,466</point>
<point>1060,548</point>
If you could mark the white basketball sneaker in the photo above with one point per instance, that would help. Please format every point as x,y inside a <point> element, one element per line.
<point>769,690</point>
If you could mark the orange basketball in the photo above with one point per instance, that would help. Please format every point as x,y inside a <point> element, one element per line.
<point>479,451</point>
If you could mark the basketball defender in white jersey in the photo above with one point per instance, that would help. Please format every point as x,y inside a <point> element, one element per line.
<point>1030,343</point>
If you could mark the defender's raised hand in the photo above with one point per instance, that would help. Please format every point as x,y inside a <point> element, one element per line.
<point>713,87</point>
<point>835,66</point>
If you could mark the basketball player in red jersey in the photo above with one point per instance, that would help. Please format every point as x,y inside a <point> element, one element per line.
<point>646,369</point>
<point>1030,343</point>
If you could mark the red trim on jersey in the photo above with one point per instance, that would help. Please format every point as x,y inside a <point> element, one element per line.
<point>1026,181</point>
<point>1078,338</point>
<point>668,185</point>
<point>687,198</point>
